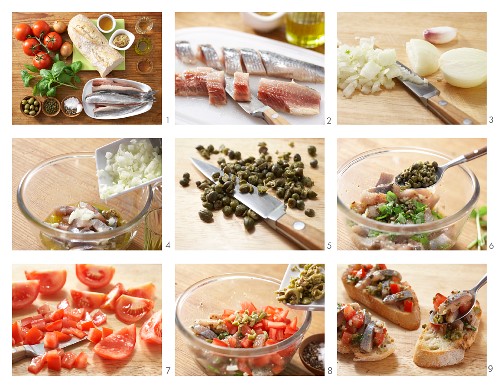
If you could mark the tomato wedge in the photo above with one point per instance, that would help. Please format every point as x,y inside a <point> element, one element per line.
<point>68,360</point>
<point>53,360</point>
<point>151,329</point>
<point>37,364</point>
<point>51,281</point>
<point>94,276</point>
<point>95,335</point>
<point>51,341</point>
<point>34,336</point>
<point>81,360</point>
<point>24,293</point>
<point>143,291</point>
<point>131,309</point>
<point>118,345</point>
<point>16,333</point>
<point>85,299</point>
<point>98,317</point>
<point>112,296</point>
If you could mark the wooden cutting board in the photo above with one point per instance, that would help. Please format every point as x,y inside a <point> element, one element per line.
<point>229,233</point>
<point>426,280</point>
<point>146,359</point>
<point>348,148</point>
<point>393,30</point>
<point>187,275</point>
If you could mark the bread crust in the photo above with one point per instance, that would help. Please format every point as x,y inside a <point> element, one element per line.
<point>376,355</point>
<point>410,321</point>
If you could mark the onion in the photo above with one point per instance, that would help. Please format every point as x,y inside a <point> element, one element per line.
<point>440,35</point>
<point>66,49</point>
<point>423,56</point>
<point>59,27</point>
<point>464,67</point>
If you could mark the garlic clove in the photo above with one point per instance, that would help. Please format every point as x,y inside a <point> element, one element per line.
<point>440,35</point>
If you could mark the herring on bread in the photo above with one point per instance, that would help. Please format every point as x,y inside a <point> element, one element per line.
<point>441,345</point>
<point>361,335</point>
<point>382,291</point>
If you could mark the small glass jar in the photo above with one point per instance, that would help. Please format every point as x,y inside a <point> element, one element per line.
<point>144,25</point>
<point>143,46</point>
<point>144,66</point>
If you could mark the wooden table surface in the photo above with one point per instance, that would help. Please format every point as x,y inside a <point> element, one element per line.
<point>192,233</point>
<point>348,148</point>
<point>153,79</point>
<point>230,20</point>
<point>146,358</point>
<point>187,275</point>
<point>393,30</point>
<point>426,281</point>
<point>26,154</point>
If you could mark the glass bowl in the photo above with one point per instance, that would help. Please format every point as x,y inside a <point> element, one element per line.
<point>66,180</point>
<point>458,191</point>
<point>227,291</point>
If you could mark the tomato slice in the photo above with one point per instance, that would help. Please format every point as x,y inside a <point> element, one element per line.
<point>37,364</point>
<point>51,281</point>
<point>118,345</point>
<point>112,296</point>
<point>68,360</point>
<point>53,360</point>
<point>94,276</point>
<point>131,309</point>
<point>98,317</point>
<point>24,293</point>
<point>151,331</point>
<point>95,335</point>
<point>81,360</point>
<point>143,291</point>
<point>85,299</point>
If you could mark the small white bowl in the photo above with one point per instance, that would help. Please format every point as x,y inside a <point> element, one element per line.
<point>112,19</point>
<point>262,23</point>
<point>120,31</point>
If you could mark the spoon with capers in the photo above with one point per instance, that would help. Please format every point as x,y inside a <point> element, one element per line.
<point>424,175</point>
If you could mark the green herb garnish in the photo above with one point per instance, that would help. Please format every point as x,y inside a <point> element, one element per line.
<point>481,226</point>
<point>401,212</point>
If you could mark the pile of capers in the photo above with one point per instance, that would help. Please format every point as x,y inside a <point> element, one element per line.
<point>30,106</point>
<point>419,175</point>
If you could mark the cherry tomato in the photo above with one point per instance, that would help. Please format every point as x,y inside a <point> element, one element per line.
<point>118,345</point>
<point>89,300</point>
<point>131,309</point>
<point>144,291</point>
<point>24,293</point>
<point>22,31</point>
<point>42,60</point>
<point>31,46</point>
<point>151,329</point>
<point>53,41</point>
<point>40,28</point>
<point>95,276</point>
<point>51,281</point>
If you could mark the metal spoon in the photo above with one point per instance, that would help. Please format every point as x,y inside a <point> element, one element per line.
<point>292,272</point>
<point>473,293</point>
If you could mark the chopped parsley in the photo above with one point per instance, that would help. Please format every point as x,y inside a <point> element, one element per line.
<point>399,211</point>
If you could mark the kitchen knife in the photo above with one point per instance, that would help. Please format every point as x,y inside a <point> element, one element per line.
<point>429,96</point>
<point>23,351</point>
<point>272,210</point>
<point>255,107</point>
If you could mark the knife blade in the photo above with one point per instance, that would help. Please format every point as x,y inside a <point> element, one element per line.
<point>272,210</point>
<point>429,96</point>
<point>256,108</point>
<point>24,351</point>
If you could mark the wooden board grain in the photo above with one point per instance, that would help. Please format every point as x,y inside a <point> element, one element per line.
<point>426,280</point>
<point>153,79</point>
<point>187,275</point>
<point>393,30</point>
<point>192,233</point>
<point>349,148</point>
<point>146,359</point>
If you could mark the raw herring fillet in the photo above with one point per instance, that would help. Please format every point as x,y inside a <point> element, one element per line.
<point>242,87</point>
<point>281,66</point>
<point>118,86</point>
<point>116,110</point>
<point>192,82</point>
<point>216,86</point>
<point>289,97</point>
<point>232,60</point>
<point>208,55</point>
<point>184,52</point>
<point>252,61</point>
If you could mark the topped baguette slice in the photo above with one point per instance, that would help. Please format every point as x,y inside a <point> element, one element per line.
<point>93,45</point>
<point>382,291</point>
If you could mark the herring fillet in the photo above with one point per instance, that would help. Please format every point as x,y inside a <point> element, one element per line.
<point>216,86</point>
<point>115,85</point>
<point>232,60</point>
<point>114,98</point>
<point>116,110</point>
<point>208,55</point>
<point>184,52</point>
<point>281,66</point>
<point>192,82</point>
<point>252,61</point>
<point>289,97</point>
<point>242,87</point>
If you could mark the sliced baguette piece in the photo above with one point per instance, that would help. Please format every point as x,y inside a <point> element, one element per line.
<point>434,351</point>
<point>376,355</point>
<point>410,321</point>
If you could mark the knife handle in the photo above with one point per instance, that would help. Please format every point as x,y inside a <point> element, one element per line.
<point>19,353</point>
<point>274,118</point>
<point>448,113</point>
<point>308,237</point>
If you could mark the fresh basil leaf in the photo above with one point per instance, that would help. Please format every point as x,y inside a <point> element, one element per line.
<point>26,77</point>
<point>56,58</point>
<point>76,66</point>
<point>391,196</point>
<point>46,74</point>
<point>77,79</point>
<point>58,68</point>
<point>51,92</point>
<point>31,68</point>
<point>64,78</point>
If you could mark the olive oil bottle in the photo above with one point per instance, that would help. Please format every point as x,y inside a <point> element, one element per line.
<point>305,29</point>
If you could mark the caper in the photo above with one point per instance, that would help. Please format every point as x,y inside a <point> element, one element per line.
<point>297,157</point>
<point>301,204</point>
<point>208,206</point>
<point>249,223</point>
<point>227,211</point>
<point>186,176</point>
<point>240,210</point>
<point>311,195</point>
<point>206,215</point>
<point>184,182</point>
<point>212,197</point>
<point>311,149</point>
<point>244,188</point>
<point>292,203</point>
<point>309,212</point>
<point>313,163</point>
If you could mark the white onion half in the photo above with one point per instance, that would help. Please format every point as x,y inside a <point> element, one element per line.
<point>423,57</point>
<point>464,67</point>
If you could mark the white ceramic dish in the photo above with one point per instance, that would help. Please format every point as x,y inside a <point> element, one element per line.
<point>262,23</point>
<point>119,31</point>
<point>291,273</point>
<point>197,111</point>
<point>88,108</point>
<point>112,19</point>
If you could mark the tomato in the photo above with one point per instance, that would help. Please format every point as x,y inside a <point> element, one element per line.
<point>250,307</point>
<point>151,331</point>
<point>106,332</point>
<point>50,341</point>
<point>37,364</point>
<point>45,308</point>
<point>34,336</point>
<point>62,337</point>
<point>63,304</point>
<point>349,312</point>
<point>22,31</point>
<point>378,338</point>
<point>118,345</point>
<point>464,308</point>
<point>54,326</point>
<point>68,360</point>
<point>85,299</point>
<point>346,338</point>
<point>131,309</point>
<point>51,281</point>
<point>98,318</point>
<point>31,46</point>
<point>40,28</point>
<point>16,333</point>
<point>24,293</point>
<point>438,300</point>
<point>112,296</point>
<point>53,360</point>
<point>53,41</point>
<point>358,320</point>
<point>143,291</point>
<point>382,266</point>
<point>95,335</point>
<point>85,325</point>
<point>74,332</point>
<point>81,360</point>
<point>408,306</point>
<point>395,288</point>
<point>94,276</point>
<point>220,343</point>
<point>42,60</point>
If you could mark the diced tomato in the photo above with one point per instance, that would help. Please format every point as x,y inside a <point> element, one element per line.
<point>349,312</point>
<point>81,361</point>
<point>34,336</point>
<point>276,324</point>
<point>395,279</point>
<point>75,314</point>
<point>112,296</point>
<point>68,360</point>
<point>289,331</point>
<point>118,345</point>
<point>51,281</point>
<point>272,333</point>
<point>408,306</point>
<point>85,325</point>
<point>38,323</point>
<point>131,309</point>
<point>346,338</point>
<point>98,317</point>
<point>54,326</point>
<point>146,290</point>
<point>106,332</point>
<point>250,307</point>
<point>382,266</point>
<point>278,363</point>
<point>220,343</point>
<point>245,329</point>
<point>94,276</point>
<point>44,309</point>
<point>26,322</point>
<point>57,315</point>
<point>270,342</point>
<point>358,320</point>
<point>69,323</point>
<point>282,315</point>
<point>94,335</point>
<point>151,331</point>
<point>227,313</point>
<point>85,299</point>
<point>378,338</point>
<point>24,293</point>
<point>269,310</point>
<point>37,364</point>
<point>244,367</point>
<point>50,340</point>
<point>63,304</point>
<point>349,328</point>
<point>293,323</point>
<point>280,335</point>
<point>74,332</point>
<point>438,300</point>
<point>395,288</point>
<point>62,336</point>
<point>246,342</point>
<point>232,341</point>
<point>53,360</point>
<point>16,333</point>
<point>232,329</point>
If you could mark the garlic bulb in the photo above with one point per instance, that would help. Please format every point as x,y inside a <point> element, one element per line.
<point>440,35</point>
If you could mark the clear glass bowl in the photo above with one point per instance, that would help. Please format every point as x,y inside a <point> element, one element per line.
<point>227,291</point>
<point>66,180</point>
<point>458,192</point>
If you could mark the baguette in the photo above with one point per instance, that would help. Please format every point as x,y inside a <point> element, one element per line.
<point>392,312</point>
<point>93,45</point>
